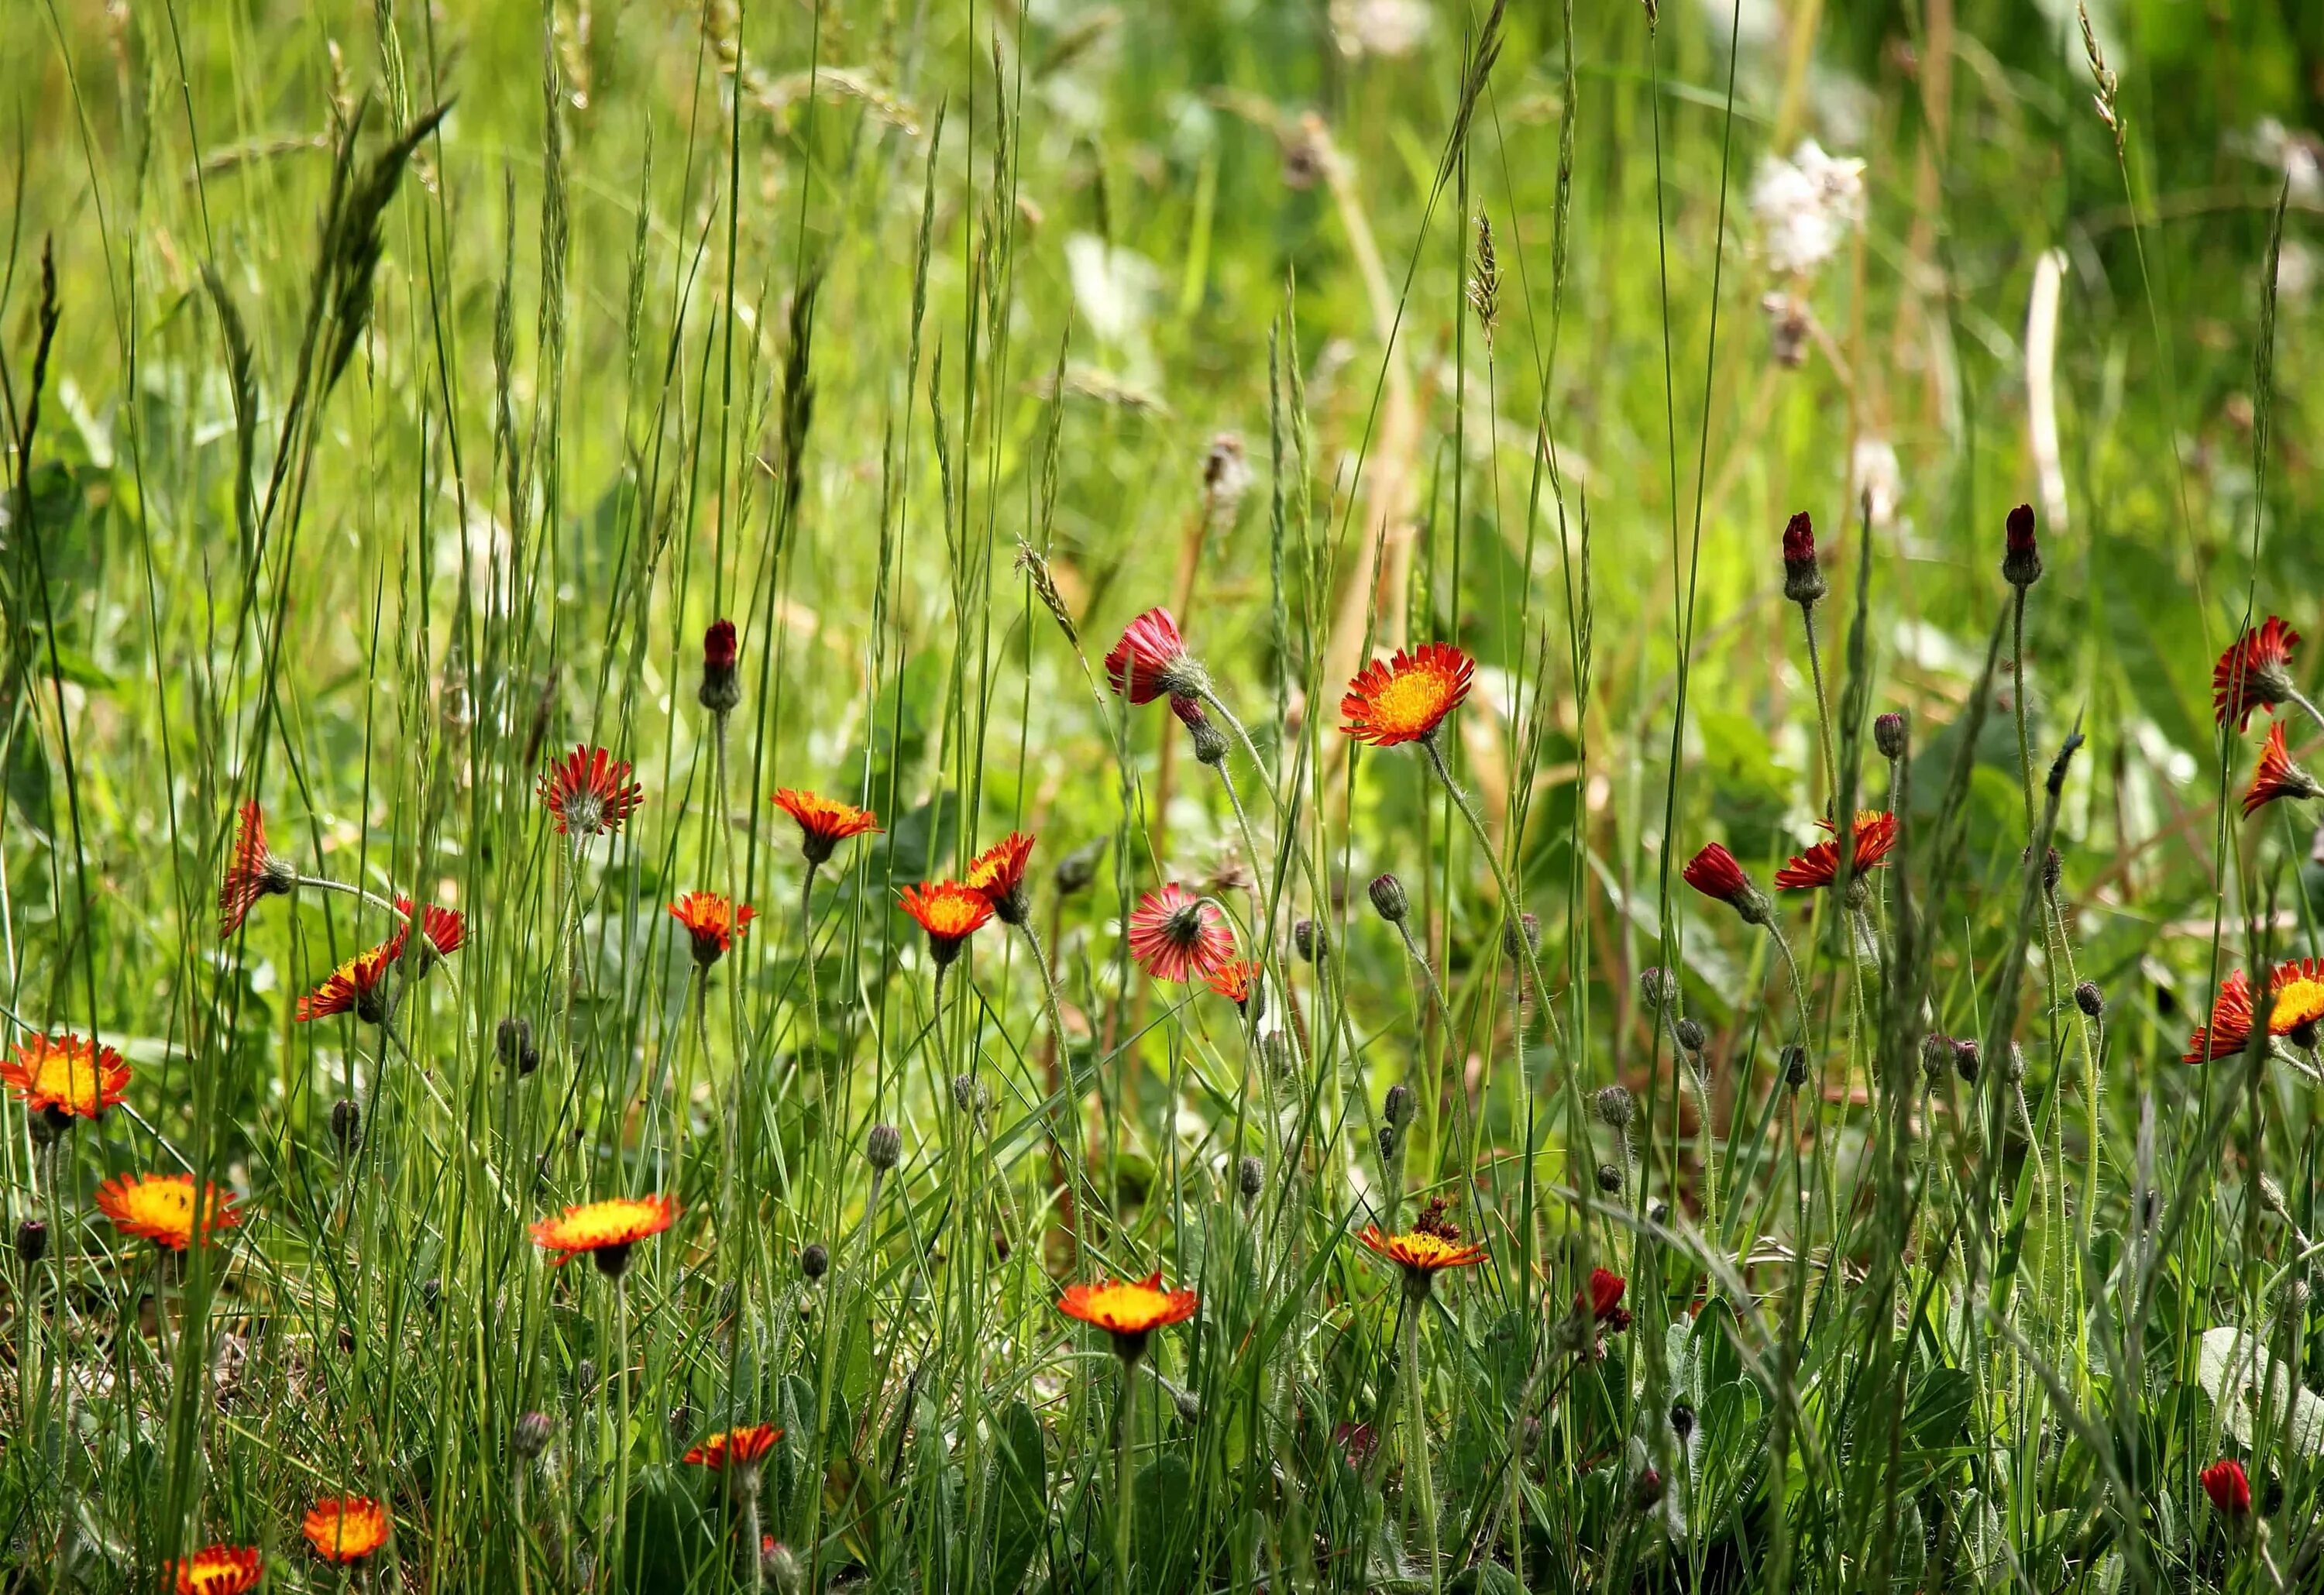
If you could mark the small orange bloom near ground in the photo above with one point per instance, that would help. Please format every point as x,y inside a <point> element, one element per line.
<point>950,912</point>
<point>1129,1309</point>
<point>712,922</point>
<point>345,1529</point>
<point>1421,1256</point>
<point>69,1077</point>
<point>735,1448</point>
<point>219,1570</point>
<point>604,1230</point>
<point>823,823</point>
<point>1406,698</point>
<point>160,1208</point>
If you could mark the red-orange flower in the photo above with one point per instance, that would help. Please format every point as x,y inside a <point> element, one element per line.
<point>1406,698</point>
<point>442,930</point>
<point>66,1076</point>
<point>1129,1309</point>
<point>160,1208</point>
<point>999,872</point>
<point>713,922</point>
<point>606,1231</point>
<point>2229,1490</point>
<point>2230,1025</point>
<point>823,823</point>
<point>950,912</point>
<point>1151,659</point>
<point>345,1529</point>
<point>219,1570</point>
<point>2254,673</point>
<point>2277,776</point>
<point>1236,979</point>
<point>1713,872</point>
<point>358,986</point>
<point>590,793</point>
<point>2296,1006</point>
<point>1874,835</point>
<point>250,871</point>
<point>1602,1299</point>
<point>736,1448</point>
<point>1420,1254</point>
<point>1174,934</point>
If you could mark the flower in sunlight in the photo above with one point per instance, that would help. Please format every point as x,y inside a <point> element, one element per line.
<point>1713,872</point>
<point>1404,698</point>
<point>345,1529</point>
<point>2296,1005</point>
<point>999,872</point>
<point>359,986</point>
<point>160,1208</point>
<point>219,1570</point>
<point>1874,835</point>
<point>823,823</point>
<point>1151,659</point>
<point>712,922</point>
<point>949,911</point>
<point>2255,673</point>
<point>2229,1028</point>
<point>743,1448</point>
<point>605,1230</point>
<point>1422,1254</point>
<point>1175,936</point>
<point>1130,1310</point>
<point>65,1077</point>
<point>589,793</point>
<point>251,870</point>
<point>2277,776</point>
<point>1237,980</point>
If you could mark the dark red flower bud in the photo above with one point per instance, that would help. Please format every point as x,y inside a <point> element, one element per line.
<point>1804,581</point>
<point>2021,562</point>
<point>720,690</point>
<point>2229,1490</point>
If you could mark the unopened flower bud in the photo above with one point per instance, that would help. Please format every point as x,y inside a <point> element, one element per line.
<point>1690,1035</point>
<point>1250,1175</point>
<point>1307,939</point>
<point>1967,1057</point>
<point>1658,986</point>
<point>1647,1490</point>
<point>883,1148</point>
<point>1804,582</point>
<point>530,1437</point>
<point>1890,734</point>
<point>431,1294</point>
<point>511,1039</point>
<point>1936,1056</point>
<point>346,1121</point>
<point>1387,1143</point>
<point>1397,1106</point>
<point>1610,1178</point>
<point>780,1565</point>
<point>2091,999</point>
<point>2013,1069</point>
<point>1681,1420</point>
<point>1526,926</point>
<point>1189,1407</point>
<point>1078,868</point>
<point>31,1241</point>
<point>1795,1066</point>
<point>1615,1106</point>
<point>2021,560</point>
<point>721,689</point>
<point>1389,900</point>
<point>964,1093</point>
<point>814,1261</point>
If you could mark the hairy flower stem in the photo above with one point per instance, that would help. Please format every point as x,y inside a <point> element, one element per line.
<point>372,898</point>
<point>1416,1471</point>
<point>1823,707</point>
<point>749,1481</point>
<point>1121,1474</point>
<point>620,1419</point>
<point>2017,705</point>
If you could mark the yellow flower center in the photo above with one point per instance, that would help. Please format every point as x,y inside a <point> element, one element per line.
<point>1410,701</point>
<point>2299,1001</point>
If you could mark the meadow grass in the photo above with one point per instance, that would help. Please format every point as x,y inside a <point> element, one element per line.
<point>1370,1079</point>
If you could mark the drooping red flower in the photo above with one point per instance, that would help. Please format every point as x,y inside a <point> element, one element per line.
<point>2255,673</point>
<point>1403,699</point>
<point>250,871</point>
<point>2228,1486</point>
<point>999,872</point>
<point>359,986</point>
<point>949,911</point>
<point>2230,1026</point>
<point>2277,776</point>
<point>66,1076</point>
<point>1236,979</point>
<point>712,922</point>
<point>1603,1298</point>
<point>441,930</point>
<point>1175,936</point>
<point>1874,834</point>
<point>823,823</point>
<point>1713,872</point>
<point>1150,660</point>
<point>590,793</point>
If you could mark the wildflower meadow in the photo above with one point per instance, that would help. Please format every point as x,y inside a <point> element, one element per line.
<point>1434,796</point>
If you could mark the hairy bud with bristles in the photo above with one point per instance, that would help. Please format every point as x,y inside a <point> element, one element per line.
<point>883,1148</point>
<point>1615,1106</point>
<point>530,1437</point>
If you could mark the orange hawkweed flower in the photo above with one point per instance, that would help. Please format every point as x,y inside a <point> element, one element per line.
<point>1128,1310</point>
<point>2228,1487</point>
<point>1174,934</point>
<point>1236,979</point>
<point>160,1208</point>
<point>66,1077</point>
<point>219,1570</point>
<point>1873,834</point>
<point>1420,1255</point>
<point>605,1230</point>
<point>590,793</point>
<point>823,823</point>
<point>999,872</point>
<point>1603,1299</point>
<point>1713,872</point>
<point>2230,1026</point>
<point>736,1448</point>
<point>2277,776</point>
<point>713,922</point>
<point>1406,697</point>
<point>950,912</point>
<point>1151,659</point>
<point>2255,673</point>
<point>2298,991</point>
<point>345,1529</point>
<point>250,871</point>
<point>358,986</point>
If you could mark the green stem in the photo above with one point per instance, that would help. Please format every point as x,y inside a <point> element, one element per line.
<point>1823,709</point>
<point>1416,1471</point>
<point>1121,1475</point>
